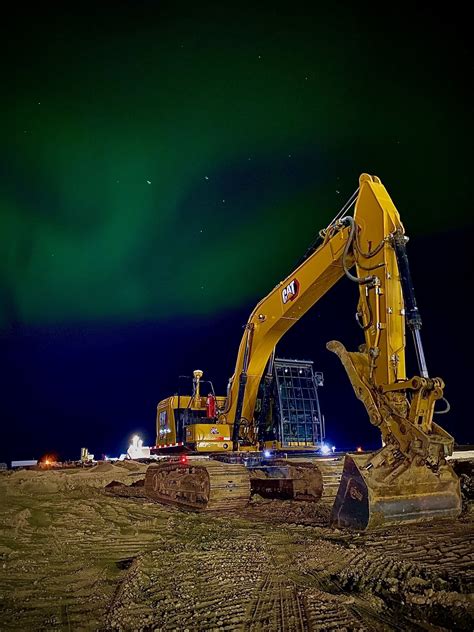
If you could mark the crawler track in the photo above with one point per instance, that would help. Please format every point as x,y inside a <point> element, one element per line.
<point>297,480</point>
<point>199,486</point>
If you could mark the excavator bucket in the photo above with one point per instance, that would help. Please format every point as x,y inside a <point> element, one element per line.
<point>370,497</point>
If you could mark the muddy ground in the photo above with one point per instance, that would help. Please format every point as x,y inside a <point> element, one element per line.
<point>74,557</point>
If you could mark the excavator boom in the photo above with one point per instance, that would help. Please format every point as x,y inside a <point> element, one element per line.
<point>273,317</point>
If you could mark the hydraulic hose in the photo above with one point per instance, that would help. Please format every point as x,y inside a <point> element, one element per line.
<point>323,233</point>
<point>361,280</point>
<point>445,410</point>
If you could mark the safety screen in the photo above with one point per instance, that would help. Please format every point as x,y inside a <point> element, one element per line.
<point>301,423</point>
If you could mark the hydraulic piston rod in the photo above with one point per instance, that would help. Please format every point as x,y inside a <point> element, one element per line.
<point>412,314</point>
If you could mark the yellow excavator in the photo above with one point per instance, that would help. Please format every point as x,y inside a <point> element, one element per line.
<point>224,452</point>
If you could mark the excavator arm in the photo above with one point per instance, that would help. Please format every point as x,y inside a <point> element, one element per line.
<point>409,477</point>
<point>402,408</point>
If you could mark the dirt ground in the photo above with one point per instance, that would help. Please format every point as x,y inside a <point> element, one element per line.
<point>75,557</point>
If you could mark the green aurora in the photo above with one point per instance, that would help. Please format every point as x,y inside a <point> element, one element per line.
<point>165,165</point>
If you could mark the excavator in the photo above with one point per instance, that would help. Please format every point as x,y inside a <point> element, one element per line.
<point>224,446</point>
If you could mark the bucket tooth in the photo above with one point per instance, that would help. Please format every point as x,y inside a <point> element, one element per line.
<point>385,495</point>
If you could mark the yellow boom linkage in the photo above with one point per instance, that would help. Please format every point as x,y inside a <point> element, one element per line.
<point>408,479</point>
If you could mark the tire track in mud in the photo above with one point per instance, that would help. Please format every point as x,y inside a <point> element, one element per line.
<point>384,592</point>
<point>326,604</point>
<point>304,578</point>
<point>277,606</point>
<point>330,612</point>
<point>388,587</point>
<point>61,547</point>
<point>446,548</point>
<point>298,594</point>
<point>204,582</point>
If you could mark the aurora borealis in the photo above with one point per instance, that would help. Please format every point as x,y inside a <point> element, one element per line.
<point>162,169</point>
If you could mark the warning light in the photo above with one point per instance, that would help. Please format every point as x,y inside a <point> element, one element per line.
<point>183,459</point>
<point>359,449</point>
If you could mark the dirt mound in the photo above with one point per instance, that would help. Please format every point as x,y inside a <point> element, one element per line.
<point>131,466</point>
<point>101,467</point>
<point>51,482</point>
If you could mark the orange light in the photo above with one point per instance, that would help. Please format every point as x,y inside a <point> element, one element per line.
<point>48,460</point>
<point>359,449</point>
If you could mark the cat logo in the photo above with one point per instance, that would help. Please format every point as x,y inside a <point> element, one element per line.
<point>290,292</point>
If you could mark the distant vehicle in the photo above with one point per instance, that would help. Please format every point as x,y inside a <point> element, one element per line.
<point>17,464</point>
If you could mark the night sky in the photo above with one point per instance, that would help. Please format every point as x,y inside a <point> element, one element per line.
<point>162,168</point>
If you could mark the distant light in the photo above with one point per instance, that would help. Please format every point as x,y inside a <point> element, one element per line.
<point>325,449</point>
<point>48,459</point>
<point>359,449</point>
<point>183,459</point>
<point>267,454</point>
<point>137,442</point>
<point>333,448</point>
